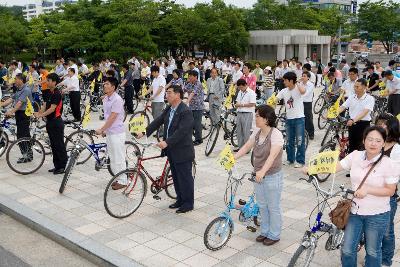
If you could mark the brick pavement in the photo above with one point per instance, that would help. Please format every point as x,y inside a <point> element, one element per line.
<point>155,235</point>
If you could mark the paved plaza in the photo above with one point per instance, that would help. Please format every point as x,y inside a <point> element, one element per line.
<point>155,235</point>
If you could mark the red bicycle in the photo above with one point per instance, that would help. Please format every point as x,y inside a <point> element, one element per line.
<point>124,202</point>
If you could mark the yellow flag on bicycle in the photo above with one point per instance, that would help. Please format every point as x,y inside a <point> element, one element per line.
<point>272,100</point>
<point>51,71</point>
<point>100,77</point>
<point>122,74</point>
<point>92,85</point>
<point>91,69</point>
<point>5,78</point>
<point>232,90</point>
<point>324,162</point>
<point>333,110</point>
<point>29,107</point>
<point>86,116</point>
<point>383,93</point>
<point>25,73</point>
<point>136,125</point>
<point>228,102</point>
<point>225,78</point>
<point>226,159</point>
<point>31,80</point>
<point>382,84</point>
<point>204,84</point>
<point>398,116</point>
<point>186,76</point>
<point>144,90</point>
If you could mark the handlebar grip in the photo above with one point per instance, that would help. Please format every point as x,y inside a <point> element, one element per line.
<point>349,191</point>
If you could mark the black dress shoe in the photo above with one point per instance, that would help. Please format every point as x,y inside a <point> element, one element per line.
<point>348,175</point>
<point>52,170</point>
<point>183,210</point>
<point>174,206</point>
<point>59,171</point>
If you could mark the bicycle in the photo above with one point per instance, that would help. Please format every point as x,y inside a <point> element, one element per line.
<point>310,239</point>
<point>102,160</point>
<point>124,202</point>
<point>221,228</point>
<point>32,151</point>
<point>228,123</point>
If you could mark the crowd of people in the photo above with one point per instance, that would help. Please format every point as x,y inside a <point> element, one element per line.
<point>294,84</point>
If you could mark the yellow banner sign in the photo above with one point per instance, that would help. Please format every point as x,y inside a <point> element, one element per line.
<point>86,116</point>
<point>204,84</point>
<point>226,159</point>
<point>272,100</point>
<point>136,125</point>
<point>324,162</point>
<point>92,85</point>
<point>144,90</point>
<point>29,107</point>
<point>228,102</point>
<point>333,111</point>
<point>232,90</point>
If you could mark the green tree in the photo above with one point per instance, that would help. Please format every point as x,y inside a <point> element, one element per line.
<point>12,33</point>
<point>380,20</point>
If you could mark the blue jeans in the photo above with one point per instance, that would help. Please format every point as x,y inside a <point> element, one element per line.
<point>268,195</point>
<point>388,242</point>
<point>295,140</point>
<point>373,227</point>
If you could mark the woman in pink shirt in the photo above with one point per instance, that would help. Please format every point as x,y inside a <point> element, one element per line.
<point>370,213</point>
<point>249,77</point>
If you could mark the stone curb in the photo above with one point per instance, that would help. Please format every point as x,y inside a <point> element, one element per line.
<point>93,251</point>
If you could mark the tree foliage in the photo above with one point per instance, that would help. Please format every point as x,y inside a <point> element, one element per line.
<point>380,20</point>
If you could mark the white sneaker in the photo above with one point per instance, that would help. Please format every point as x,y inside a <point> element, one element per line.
<point>287,163</point>
<point>298,165</point>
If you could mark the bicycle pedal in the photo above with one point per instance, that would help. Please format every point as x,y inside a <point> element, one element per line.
<point>156,197</point>
<point>251,229</point>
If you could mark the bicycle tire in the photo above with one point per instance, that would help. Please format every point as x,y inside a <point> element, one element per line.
<point>168,182</point>
<point>206,125</point>
<point>321,121</point>
<point>68,170</point>
<point>296,256</point>
<point>225,240</point>
<point>69,139</point>
<point>109,204</point>
<point>33,143</point>
<point>319,104</point>
<point>327,133</point>
<point>331,146</point>
<point>4,141</point>
<point>212,140</point>
<point>234,140</point>
<point>136,152</point>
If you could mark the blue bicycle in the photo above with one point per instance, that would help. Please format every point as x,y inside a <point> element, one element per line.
<point>98,151</point>
<point>219,230</point>
<point>305,252</point>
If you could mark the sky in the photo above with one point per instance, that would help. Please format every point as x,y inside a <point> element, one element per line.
<point>189,3</point>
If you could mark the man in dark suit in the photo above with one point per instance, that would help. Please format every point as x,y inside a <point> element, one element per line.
<point>178,146</point>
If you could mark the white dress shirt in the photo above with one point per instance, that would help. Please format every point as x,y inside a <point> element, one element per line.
<point>357,105</point>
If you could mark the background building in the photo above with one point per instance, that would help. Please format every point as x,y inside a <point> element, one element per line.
<point>346,6</point>
<point>35,8</point>
<point>286,44</point>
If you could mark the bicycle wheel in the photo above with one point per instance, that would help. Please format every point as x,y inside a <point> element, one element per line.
<point>3,142</point>
<point>68,170</point>
<point>212,140</point>
<point>302,257</point>
<point>138,114</point>
<point>207,125</point>
<point>70,140</point>
<point>218,233</point>
<point>234,140</point>
<point>322,122</point>
<point>169,184</point>
<point>25,156</point>
<point>328,134</point>
<point>132,152</point>
<point>124,202</point>
<point>319,103</point>
<point>330,146</point>
<point>230,120</point>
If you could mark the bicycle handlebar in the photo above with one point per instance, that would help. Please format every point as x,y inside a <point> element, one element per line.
<point>313,178</point>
